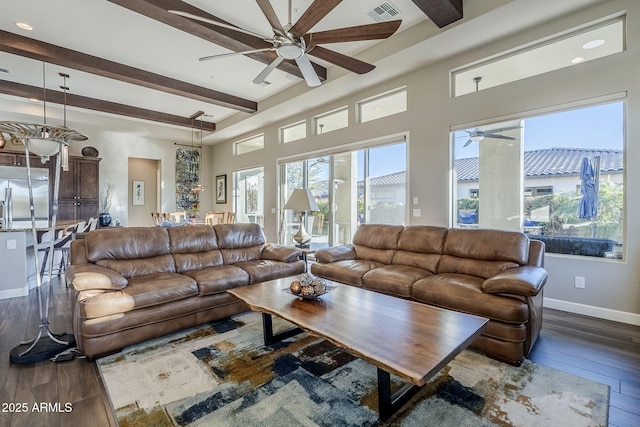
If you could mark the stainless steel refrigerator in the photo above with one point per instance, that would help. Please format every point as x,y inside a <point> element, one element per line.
<point>14,197</point>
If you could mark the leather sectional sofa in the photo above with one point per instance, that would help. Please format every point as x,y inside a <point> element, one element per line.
<point>134,284</point>
<point>494,274</point>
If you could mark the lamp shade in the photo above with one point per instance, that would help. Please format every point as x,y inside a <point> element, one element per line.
<point>301,200</point>
<point>43,147</point>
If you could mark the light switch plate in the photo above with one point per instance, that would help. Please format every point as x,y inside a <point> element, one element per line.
<point>11,244</point>
<point>417,212</point>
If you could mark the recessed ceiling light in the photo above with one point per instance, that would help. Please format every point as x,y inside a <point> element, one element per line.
<point>577,60</point>
<point>593,44</point>
<point>24,26</point>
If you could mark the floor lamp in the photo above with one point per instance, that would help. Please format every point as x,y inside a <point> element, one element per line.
<point>44,141</point>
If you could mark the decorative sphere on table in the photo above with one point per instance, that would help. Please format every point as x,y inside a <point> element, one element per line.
<point>295,287</point>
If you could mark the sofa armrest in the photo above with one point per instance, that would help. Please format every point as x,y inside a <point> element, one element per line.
<point>335,253</point>
<point>282,253</point>
<point>91,277</point>
<point>526,281</point>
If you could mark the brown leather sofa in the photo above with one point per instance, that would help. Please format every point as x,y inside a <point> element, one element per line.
<point>494,274</point>
<point>137,283</point>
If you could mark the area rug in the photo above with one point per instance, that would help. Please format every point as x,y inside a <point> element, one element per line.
<point>221,374</point>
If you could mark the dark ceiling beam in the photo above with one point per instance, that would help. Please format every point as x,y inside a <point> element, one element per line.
<point>441,12</point>
<point>229,39</point>
<point>46,52</point>
<point>57,97</point>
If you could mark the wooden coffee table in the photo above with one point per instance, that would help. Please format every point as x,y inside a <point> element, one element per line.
<point>411,340</point>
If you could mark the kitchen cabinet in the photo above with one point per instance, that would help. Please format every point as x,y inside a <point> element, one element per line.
<point>8,158</point>
<point>79,194</point>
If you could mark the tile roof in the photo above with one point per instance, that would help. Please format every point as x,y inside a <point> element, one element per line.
<point>550,162</point>
<point>537,163</point>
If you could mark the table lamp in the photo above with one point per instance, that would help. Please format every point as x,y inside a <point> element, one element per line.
<point>301,200</point>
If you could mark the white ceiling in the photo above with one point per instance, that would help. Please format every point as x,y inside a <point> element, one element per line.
<point>109,31</point>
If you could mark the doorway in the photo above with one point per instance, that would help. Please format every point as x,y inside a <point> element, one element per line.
<point>142,191</point>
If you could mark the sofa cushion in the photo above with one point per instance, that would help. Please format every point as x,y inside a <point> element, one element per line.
<point>263,270</point>
<point>159,288</point>
<point>215,280</point>
<point>474,267</point>
<point>140,267</point>
<point>464,293</point>
<point>375,242</point>
<point>192,238</point>
<point>348,271</point>
<point>127,243</point>
<point>420,246</point>
<point>240,242</point>
<point>494,245</point>
<point>393,279</point>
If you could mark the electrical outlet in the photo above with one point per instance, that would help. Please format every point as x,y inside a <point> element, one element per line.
<point>579,282</point>
<point>415,200</point>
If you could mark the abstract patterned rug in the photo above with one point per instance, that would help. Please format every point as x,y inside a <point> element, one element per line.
<point>221,374</point>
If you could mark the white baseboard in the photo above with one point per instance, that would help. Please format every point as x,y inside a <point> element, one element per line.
<point>593,311</point>
<point>14,293</point>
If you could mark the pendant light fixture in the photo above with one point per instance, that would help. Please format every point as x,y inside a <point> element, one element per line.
<point>43,139</point>
<point>198,114</point>
<point>200,186</point>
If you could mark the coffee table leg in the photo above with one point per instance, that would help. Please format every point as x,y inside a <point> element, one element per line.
<point>388,404</point>
<point>270,337</point>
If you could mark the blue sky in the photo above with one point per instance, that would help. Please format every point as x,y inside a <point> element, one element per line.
<point>600,126</point>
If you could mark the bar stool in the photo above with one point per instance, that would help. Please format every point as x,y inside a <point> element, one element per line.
<point>61,246</point>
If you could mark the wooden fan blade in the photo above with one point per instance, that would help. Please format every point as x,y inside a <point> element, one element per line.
<point>379,30</point>
<point>270,14</point>
<point>246,52</point>
<point>344,61</point>
<point>219,24</point>
<point>318,10</point>
<point>307,71</point>
<point>260,78</point>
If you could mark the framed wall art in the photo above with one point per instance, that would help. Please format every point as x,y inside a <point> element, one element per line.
<point>221,189</point>
<point>138,193</point>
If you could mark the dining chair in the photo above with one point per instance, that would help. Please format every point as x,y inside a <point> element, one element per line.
<point>179,216</point>
<point>231,217</point>
<point>210,218</point>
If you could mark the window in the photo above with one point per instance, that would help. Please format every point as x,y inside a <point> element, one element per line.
<point>336,119</point>
<point>544,56</point>
<point>249,144</point>
<point>532,176</point>
<point>293,132</point>
<point>383,105</point>
<point>350,187</point>
<point>248,195</point>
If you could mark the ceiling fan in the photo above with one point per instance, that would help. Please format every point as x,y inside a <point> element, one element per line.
<point>477,135</point>
<point>294,42</point>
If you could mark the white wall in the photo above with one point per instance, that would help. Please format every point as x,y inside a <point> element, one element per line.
<point>612,287</point>
<point>115,149</point>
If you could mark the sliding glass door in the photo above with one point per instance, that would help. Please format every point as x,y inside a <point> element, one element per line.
<point>350,188</point>
<point>248,195</point>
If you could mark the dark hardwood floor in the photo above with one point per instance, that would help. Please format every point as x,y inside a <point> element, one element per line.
<point>600,350</point>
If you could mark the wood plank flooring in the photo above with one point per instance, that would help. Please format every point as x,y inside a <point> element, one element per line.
<point>600,350</point>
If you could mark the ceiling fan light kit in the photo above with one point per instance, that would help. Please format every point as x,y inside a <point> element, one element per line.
<point>294,43</point>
